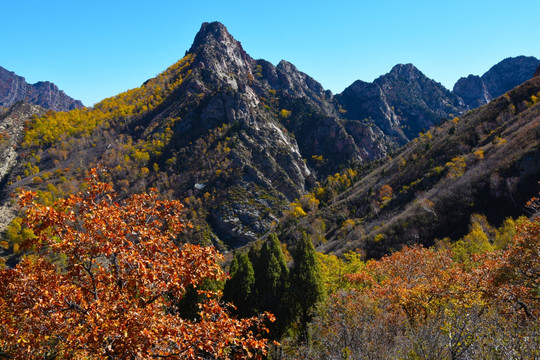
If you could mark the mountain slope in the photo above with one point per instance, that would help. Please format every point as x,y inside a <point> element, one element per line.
<point>11,132</point>
<point>198,131</point>
<point>484,162</point>
<point>537,72</point>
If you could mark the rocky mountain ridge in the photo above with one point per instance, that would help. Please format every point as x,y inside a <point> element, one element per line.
<point>14,88</point>
<point>479,90</point>
<point>402,103</point>
<point>484,162</point>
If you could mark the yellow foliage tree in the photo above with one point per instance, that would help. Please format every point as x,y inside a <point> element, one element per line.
<point>456,167</point>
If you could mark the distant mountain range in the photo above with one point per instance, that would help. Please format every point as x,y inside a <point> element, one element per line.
<point>14,88</point>
<point>239,139</point>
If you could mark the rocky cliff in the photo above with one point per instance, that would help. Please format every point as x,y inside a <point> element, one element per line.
<point>502,77</point>
<point>401,103</point>
<point>473,91</point>
<point>14,88</point>
<point>11,133</point>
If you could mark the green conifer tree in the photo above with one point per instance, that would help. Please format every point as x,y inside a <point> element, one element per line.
<point>306,288</point>
<point>271,283</point>
<point>240,287</point>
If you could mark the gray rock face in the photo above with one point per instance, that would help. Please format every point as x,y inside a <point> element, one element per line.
<point>509,73</point>
<point>502,77</point>
<point>367,101</point>
<point>315,123</point>
<point>300,85</point>
<point>401,103</point>
<point>265,166</point>
<point>11,129</point>
<point>14,88</point>
<point>473,91</point>
<point>418,101</point>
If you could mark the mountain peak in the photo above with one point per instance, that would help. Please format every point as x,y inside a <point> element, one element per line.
<point>211,33</point>
<point>509,73</point>
<point>285,65</point>
<point>405,70</point>
<point>220,54</point>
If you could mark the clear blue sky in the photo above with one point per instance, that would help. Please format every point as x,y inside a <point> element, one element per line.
<point>96,49</point>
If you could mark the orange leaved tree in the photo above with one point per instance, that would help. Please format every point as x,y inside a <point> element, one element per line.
<point>103,280</point>
<point>513,275</point>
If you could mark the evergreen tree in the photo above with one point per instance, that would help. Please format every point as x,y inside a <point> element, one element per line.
<point>306,284</point>
<point>240,287</point>
<point>271,283</point>
<point>254,254</point>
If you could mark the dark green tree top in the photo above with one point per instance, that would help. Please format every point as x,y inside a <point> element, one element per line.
<point>271,276</point>
<point>271,282</point>
<point>306,283</point>
<point>240,287</point>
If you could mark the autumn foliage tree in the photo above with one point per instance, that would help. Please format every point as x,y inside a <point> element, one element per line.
<point>102,282</point>
<point>462,301</point>
<point>513,275</point>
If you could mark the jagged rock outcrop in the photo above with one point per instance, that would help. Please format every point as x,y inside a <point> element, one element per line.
<point>312,118</point>
<point>502,77</point>
<point>315,121</point>
<point>367,101</point>
<point>401,103</point>
<point>473,91</point>
<point>11,133</point>
<point>14,88</point>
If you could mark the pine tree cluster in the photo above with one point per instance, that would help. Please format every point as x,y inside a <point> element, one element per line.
<point>260,280</point>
